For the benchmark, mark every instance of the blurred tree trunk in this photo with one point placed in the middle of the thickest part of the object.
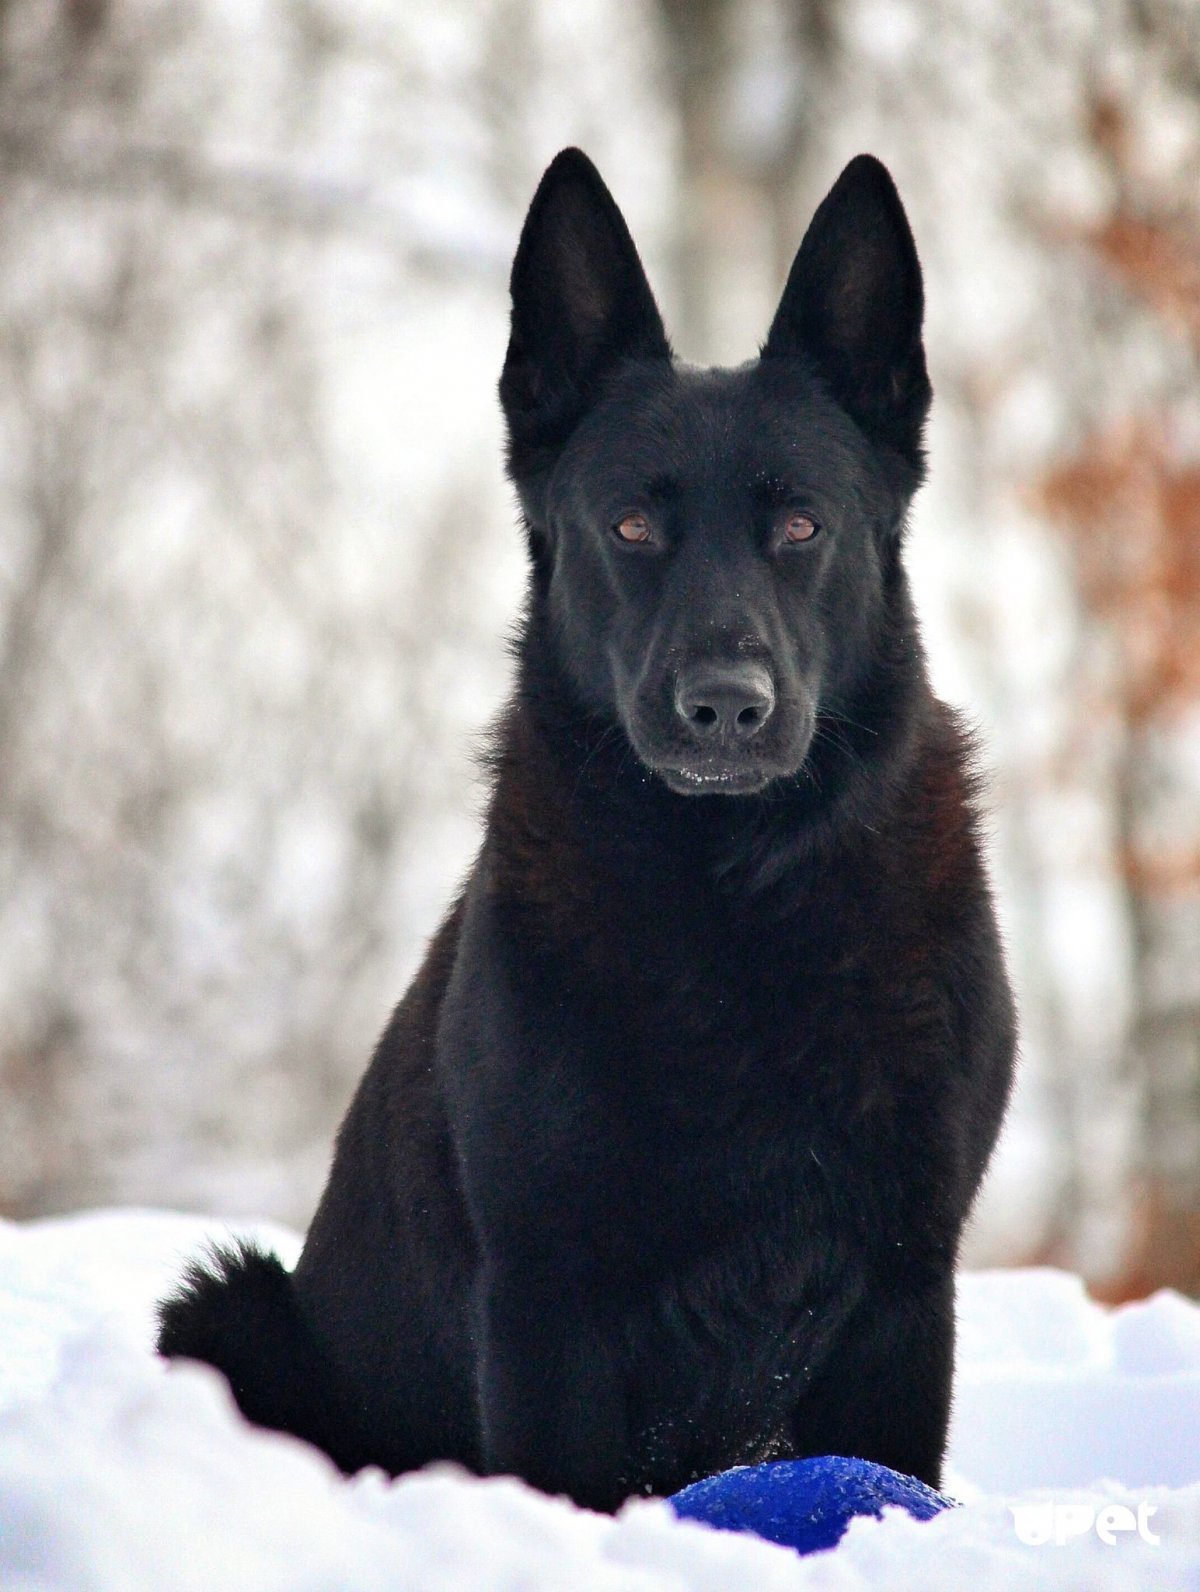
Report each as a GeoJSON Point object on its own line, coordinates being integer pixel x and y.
{"type": "Point", "coordinates": [1129, 499]}
{"type": "Point", "coordinates": [213, 759]}
{"type": "Point", "coordinates": [738, 75]}
{"type": "Point", "coordinates": [1131, 508]}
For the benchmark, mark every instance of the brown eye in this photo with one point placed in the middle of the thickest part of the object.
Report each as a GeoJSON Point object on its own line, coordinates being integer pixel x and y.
{"type": "Point", "coordinates": [633, 528]}
{"type": "Point", "coordinates": [799, 527]}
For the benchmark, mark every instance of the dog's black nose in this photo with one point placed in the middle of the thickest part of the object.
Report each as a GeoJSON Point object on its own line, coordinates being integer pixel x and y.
{"type": "Point", "coordinates": [725, 701]}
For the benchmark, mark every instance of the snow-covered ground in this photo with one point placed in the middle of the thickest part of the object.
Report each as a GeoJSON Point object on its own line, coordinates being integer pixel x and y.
{"type": "Point", "coordinates": [116, 1473]}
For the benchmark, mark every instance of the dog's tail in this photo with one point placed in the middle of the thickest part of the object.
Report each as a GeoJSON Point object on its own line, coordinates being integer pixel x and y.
{"type": "Point", "coordinates": [236, 1309]}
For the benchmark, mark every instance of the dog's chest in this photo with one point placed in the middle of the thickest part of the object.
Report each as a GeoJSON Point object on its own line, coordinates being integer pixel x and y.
{"type": "Point", "coordinates": [713, 1064]}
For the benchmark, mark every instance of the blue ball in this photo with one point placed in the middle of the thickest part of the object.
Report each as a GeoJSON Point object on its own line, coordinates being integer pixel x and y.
{"type": "Point", "coordinates": [804, 1504]}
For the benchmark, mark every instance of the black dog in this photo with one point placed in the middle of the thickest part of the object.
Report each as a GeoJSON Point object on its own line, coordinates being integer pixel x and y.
{"type": "Point", "coordinates": [662, 1163]}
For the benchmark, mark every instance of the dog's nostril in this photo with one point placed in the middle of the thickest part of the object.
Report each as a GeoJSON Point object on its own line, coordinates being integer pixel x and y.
{"type": "Point", "coordinates": [749, 716]}
{"type": "Point", "coordinates": [705, 715]}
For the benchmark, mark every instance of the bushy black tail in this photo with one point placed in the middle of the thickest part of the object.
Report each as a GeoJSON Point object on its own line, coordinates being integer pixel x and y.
{"type": "Point", "coordinates": [236, 1310]}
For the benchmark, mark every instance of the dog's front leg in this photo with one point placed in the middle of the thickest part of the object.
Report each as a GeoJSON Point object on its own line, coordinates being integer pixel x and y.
{"type": "Point", "coordinates": [548, 1359]}
{"type": "Point", "coordinates": [552, 1399]}
{"type": "Point", "coordinates": [883, 1393]}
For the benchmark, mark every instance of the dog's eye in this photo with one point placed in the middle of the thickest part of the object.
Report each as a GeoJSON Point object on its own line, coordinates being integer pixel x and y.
{"type": "Point", "coordinates": [799, 527]}
{"type": "Point", "coordinates": [633, 528]}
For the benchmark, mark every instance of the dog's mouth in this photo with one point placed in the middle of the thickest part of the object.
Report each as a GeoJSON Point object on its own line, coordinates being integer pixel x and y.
{"type": "Point", "coordinates": [696, 771]}
{"type": "Point", "coordinates": [714, 780]}
{"type": "Point", "coordinates": [690, 772]}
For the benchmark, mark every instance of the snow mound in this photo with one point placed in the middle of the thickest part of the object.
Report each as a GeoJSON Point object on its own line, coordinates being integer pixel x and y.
{"type": "Point", "coordinates": [117, 1472]}
{"type": "Point", "coordinates": [1055, 1391]}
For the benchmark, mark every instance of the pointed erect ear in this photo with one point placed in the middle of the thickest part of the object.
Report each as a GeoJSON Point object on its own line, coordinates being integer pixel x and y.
{"type": "Point", "coordinates": [853, 305]}
{"type": "Point", "coordinates": [580, 303]}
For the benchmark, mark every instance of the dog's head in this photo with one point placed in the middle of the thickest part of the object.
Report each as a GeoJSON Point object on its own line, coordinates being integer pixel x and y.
{"type": "Point", "coordinates": [715, 548]}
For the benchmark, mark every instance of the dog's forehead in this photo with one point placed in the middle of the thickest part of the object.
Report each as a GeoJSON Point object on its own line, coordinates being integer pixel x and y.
{"type": "Point", "coordinates": [700, 426]}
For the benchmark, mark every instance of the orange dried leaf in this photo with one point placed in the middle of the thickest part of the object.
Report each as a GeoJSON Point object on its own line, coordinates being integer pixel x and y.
{"type": "Point", "coordinates": [1159, 261]}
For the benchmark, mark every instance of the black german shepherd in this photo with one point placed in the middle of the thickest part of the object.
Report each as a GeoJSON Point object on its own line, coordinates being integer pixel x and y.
{"type": "Point", "coordinates": [662, 1162]}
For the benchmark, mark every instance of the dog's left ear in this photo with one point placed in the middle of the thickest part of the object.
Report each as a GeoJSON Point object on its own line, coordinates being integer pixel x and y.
{"type": "Point", "coordinates": [854, 303]}
{"type": "Point", "coordinates": [580, 304]}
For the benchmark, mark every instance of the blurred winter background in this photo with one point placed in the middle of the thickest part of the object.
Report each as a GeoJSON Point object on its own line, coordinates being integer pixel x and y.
{"type": "Point", "coordinates": [257, 558]}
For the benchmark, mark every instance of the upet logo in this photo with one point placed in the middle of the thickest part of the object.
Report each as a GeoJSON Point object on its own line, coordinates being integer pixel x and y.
{"type": "Point", "coordinates": [1037, 1524]}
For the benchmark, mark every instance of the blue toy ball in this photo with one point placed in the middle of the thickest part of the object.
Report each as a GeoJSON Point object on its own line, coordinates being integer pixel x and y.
{"type": "Point", "coordinates": [804, 1504]}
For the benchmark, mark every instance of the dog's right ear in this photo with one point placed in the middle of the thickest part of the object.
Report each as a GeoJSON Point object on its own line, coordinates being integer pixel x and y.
{"type": "Point", "coordinates": [580, 303]}
{"type": "Point", "coordinates": [853, 304]}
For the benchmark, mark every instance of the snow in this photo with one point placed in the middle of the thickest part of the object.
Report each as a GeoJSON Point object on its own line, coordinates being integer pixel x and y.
{"type": "Point", "coordinates": [118, 1472]}
{"type": "Point", "coordinates": [1065, 1392]}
